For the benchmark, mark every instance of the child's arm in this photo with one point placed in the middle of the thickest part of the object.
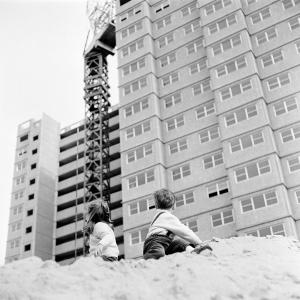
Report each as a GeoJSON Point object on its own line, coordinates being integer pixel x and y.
{"type": "Point", "coordinates": [172, 223]}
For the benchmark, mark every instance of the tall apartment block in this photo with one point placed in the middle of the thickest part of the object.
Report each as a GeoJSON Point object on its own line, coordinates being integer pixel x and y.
{"type": "Point", "coordinates": [210, 108]}
{"type": "Point", "coordinates": [30, 230]}
{"type": "Point", "coordinates": [70, 192]}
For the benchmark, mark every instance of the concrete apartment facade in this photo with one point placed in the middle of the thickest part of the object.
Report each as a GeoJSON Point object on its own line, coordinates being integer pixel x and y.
{"type": "Point", "coordinates": [68, 241]}
{"type": "Point", "coordinates": [30, 229]}
{"type": "Point", "coordinates": [210, 108]}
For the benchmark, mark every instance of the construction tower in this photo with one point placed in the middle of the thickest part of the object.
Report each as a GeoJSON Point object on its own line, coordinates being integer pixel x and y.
{"type": "Point", "coordinates": [96, 180]}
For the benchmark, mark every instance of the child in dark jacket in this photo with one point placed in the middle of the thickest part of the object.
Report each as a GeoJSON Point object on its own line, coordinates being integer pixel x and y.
{"type": "Point", "coordinates": [167, 235]}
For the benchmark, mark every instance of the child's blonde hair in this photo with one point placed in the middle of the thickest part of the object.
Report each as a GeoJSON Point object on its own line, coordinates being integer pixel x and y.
{"type": "Point", "coordinates": [164, 199]}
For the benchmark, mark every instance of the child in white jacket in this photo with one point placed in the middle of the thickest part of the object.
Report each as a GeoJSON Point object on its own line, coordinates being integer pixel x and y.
{"type": "Point", "coordinates": [167, 235]}
{"type": "Point", "coordinates": [102, 241]}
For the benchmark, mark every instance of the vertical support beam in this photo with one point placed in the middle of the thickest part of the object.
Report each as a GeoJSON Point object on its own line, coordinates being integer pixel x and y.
{"type": "Point", "coordinates": [96, 173]}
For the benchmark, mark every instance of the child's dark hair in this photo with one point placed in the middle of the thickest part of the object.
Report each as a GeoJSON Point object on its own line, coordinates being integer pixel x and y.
{"type": "Point", "coordinates": [99, 212]}
{"type": "Point", "coordinates": [164, 199]}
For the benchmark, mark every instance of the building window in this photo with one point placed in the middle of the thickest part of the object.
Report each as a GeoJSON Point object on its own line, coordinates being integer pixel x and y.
{"type": "Point", "coordinates": [168, 59]}
{"type": "Point", "coordinates": [279, 81]}
{"type": "Point", "coordinates": [15, 226]}
{"type": "Point", "coordinates": [294, 164]}
{"type": "Point", "coordinates": [246, 141]}
{"type": "Point", "coordinates": [139, 153]}
{"type": "Point", "coordinates": [20, 166]}
{"type": "Point", "coordinates": [285, 106]}
{"type": "Point", "coordinates": [201, 87]}
{"type": "Point", "coordinates": [298, 196]}
{"type": "Point", "coordinates": [18, 195]}
{"type": "Point", "coordinates": [17, 210]}
{"type": "Point", "coordinates": [294, 23]}
{"type": "Point", "coordinates": [192, 27]}
{"type": "Point", "coordinates": [138, 237]}
{"type": "Point", "coordinates": [27, 247]}
{"type": "Point", "coordinates": [198, 66]}
{"type": "Point", "coordinates": [141, 179]}
{"type": "Point", "coordinates": [32, 181]}
{"type": "Point", "coordinates": [222, 24]}
{"type": "Point", "coordinates": [135, 86]}
{"type": "Point", "coordinates": [20, 180]}
{"type": "Point", "coordinates": [260, 16]}
{"type": "Point", "coordinates": [163, 22]}
{"type": "Point", "coordinates": [259, 201]}
{"type": "Point", "coordinates": [236, 89]}
{"type": "Point", "coordinates": [222, 218]}
{"type": "Point", "coordinates": [272, 230]}
{"type": "Point", "coordinates": [28, 229]}
{"type": "Point", "coordinates": [141, 206]}
{"type": "Point", "coordinates": [161, 7]}
{"type": "Point", "coordinates": [209, 134]}
{"type": "Point", "coordinates": [175, 123]}
{"type": "Point", "coordinates": [170, 79]}
{"type": "Point", "coordinates": [213, 160]}
{"type": "Point", "coordinates": [205, 110]}
{"type": "Point", "coordinates": [36, 137]}
{"type": "Point", "coordinates": [188, 10]}
{"type": "Point", "coordinates": [192, 224]}
{"type": "Point", "coordinates": [266, 36]}
{"type": "Point", "coordinates": [227, 44]}
{"type": "Point", "coordinates": [33, 166]}
{"type": "Point", "coordinates": [180, 172]}
{"type": "Point", "coordinates": [252, 170]}
{"type": "Point", "coordinates": [139, 44]}
{"type": "Point", "coordinates": [138, 130]}
{"type": "Point", "coordinates": [194, 46]}
{"type": "Point", "coordinates": [165, 40]}
{"type": "Point", "coordinates": [232, 66]}
{"type": "Point", "coordinates": [34, 151]}
{"type": "Point", "coordinates": [15, 243]}
{"type": "Point", "coordinates": [172, 100]}
{"type": "Point", "coordinates": [272, 58]}
{"type": "Point", "coordinates": [31, 196]}
{"type": "Point", "coordinates": [184, 198]}
{"type": "Point", "coordinates": [290, 134]}
{"type": "Point", "coordinates": [29, 212]}
{"type": "Point", "coordinates": [241, 115]}
{"type": "Point", "coordinates": [131, 29]}
{"type": "Point", "coordinates": [134, 67]}
{"type": "Point", "coordinates": [130, 13]}
{"type": "Point", "coordinates": [21, 152]}
{"type": "Point", "coordinates": [24, 138]}
{"type": "Point", "coordinates": [289, 3]}
{"type": "Point", "coordinates": [136, 107]}
{"type": "Point", "coordinates": [215, 6]}
{"type": "Point", "coordinates": [178, 146]}
{"type": "Point", "coordinates": [217, 188]}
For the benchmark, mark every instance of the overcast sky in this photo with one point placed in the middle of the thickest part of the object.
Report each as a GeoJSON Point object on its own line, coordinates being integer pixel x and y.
{"type": "Point", "coordinates": [41, 70]}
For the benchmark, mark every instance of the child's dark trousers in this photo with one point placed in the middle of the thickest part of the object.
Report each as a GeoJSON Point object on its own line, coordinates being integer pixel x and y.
{"type": "Point", "coordinates": [157, 246]}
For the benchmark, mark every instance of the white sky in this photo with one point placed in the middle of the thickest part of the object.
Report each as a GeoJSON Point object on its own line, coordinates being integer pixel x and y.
{"type": "Point", "coordinates": [41, 70]}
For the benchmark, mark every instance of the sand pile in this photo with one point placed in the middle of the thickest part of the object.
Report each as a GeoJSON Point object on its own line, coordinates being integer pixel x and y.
{"type": "Point", "coordinates": [241, 268]}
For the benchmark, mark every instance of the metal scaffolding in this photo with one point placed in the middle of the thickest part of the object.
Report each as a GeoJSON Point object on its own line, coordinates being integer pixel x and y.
{"type": "Point", "coordinates": [96, 172]}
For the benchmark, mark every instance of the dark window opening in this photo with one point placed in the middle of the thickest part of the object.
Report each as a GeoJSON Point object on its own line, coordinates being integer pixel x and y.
{"type": "Point", "coordinates": [29, 229]}
{"type": "Point", "coordinates": [29, 212]}
{"type": "Point", "coordinates": [36, 137]}
{"type": "Point", "coordinates": [122, 2]}
{"type": "Point", "coordinates": [33, 166]}
{"type": "Point", "coordinates": [31, 196]}
{"type": "Point", "coordinates": [34, 151]}
{"type": "Point", "coordinates": [32, 181]}
{"type": "Point", "coordinates": [27, 247]}
{"type": "Point", "coordinates": [224, 191]}
{"type": "Point", "coordinates": [24, 138]}
{"type": "Point", "coordinates": [213, 194]}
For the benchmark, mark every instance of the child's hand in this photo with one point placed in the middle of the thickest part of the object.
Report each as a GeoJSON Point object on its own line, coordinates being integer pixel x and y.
{"type": "Point", "coordinates": [199, 248]}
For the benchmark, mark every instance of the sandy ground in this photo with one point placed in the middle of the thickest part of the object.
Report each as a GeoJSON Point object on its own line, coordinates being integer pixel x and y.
{"type": "Point", "coordinates": [239, 268]}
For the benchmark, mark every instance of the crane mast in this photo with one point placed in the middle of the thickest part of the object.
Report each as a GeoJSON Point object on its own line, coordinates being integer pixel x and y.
{"type": "Point", "coordinates": [100, 43]}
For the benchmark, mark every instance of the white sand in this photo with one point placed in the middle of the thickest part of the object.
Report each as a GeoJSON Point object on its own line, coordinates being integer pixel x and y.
{"type": "Point", "coordinates": [241, 268]}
